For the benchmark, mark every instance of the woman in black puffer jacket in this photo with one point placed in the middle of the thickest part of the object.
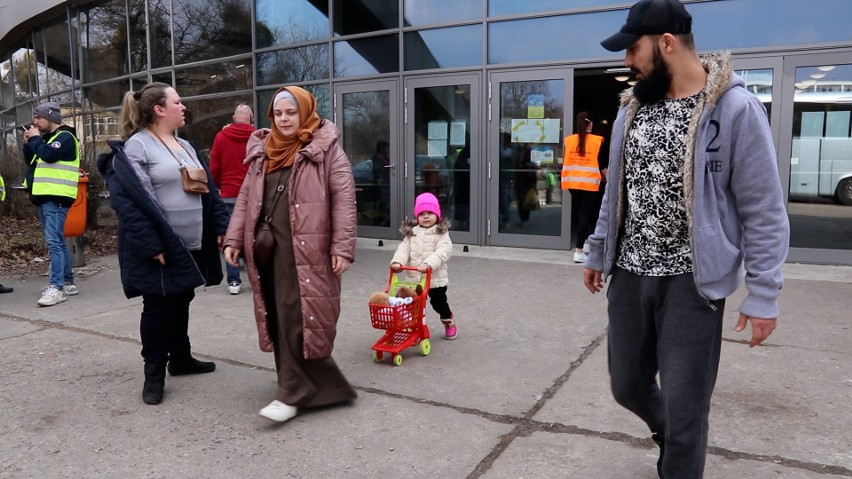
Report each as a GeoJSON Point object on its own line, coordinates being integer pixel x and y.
{"type": "Point", "coordinates": [168, 239]}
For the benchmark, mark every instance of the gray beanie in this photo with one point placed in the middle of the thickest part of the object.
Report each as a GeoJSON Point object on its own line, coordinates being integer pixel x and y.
{"type": "Point", "coordinates": [49, 110]}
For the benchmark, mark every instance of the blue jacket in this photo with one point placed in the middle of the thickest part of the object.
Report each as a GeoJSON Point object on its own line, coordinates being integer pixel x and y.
{"type": "Point", "coordinates": [734, 199]}
{"type": "Point", "coordinates": [143, 233]}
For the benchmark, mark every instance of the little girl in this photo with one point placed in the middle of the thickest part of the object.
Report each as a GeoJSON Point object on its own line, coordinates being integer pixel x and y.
{"type": "Point", "coordinates": [427, 244]}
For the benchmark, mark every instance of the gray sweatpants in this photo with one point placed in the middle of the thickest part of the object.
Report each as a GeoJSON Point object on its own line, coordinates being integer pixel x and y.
{"type": "Point", "coordinates": [661, 324]}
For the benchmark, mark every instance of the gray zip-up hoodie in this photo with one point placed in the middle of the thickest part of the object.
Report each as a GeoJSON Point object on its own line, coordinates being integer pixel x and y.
{"type": "Point", "coordinates": [734, 199]}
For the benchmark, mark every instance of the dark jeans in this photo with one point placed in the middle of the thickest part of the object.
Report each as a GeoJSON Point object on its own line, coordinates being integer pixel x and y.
{"type": "Point", "coordinates": [164, 324]}
{"type": "Point", "coordinates": [661, 324]}
{"type": "Point", "coordinates": [52, 216]}
{"type": "Point", "coordinates": [438, 300]}
{"type": "Point", "coordinates": [520, 195]}
{"type": "Point", "coordinates": [232, 272]}
{"type": "Point", "coordinates": [505, 201]}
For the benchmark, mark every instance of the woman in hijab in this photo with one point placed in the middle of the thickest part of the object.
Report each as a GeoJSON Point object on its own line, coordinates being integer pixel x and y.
{"type": "Point", "coordinates": [299, 187]}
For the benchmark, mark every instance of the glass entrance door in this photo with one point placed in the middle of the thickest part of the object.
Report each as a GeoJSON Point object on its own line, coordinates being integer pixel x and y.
{"type": "Point", "coordinates": [527, 123]}
{"type": "Point", "coordinates": [367, 115]}
{"type": "Point", "coordinates": [442, 153]}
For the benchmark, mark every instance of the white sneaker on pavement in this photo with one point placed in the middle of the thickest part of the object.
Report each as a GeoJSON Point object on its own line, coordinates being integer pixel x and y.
{"type": "Point", "coordinates": [278, 411]}
{"type": "Point", "coordinates": [580, 257]}
{"type": "Point", "coordinates": [234, 287]}
{"type": "Point", "coordinates": [70, 290]}
{"type": "Point", "coordinates": [51, 295]}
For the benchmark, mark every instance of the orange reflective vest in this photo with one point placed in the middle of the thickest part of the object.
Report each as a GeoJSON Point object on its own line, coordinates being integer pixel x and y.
{"type": "Point", "coordinates": [581, 172]}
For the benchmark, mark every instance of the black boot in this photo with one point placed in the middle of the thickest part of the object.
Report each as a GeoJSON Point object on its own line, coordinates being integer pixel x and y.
{"type": "Point", "coordinates": [186, 364]}
{"type": "Point", "coordinates": [155, 381]}
{"type": "Point", "coordinates": [661, 441]}
{"type": "Point", "coordinates": [5, 289]}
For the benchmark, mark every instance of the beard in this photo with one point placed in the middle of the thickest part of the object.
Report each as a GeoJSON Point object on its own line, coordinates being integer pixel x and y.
{"type": "Point", "coordinates": [655, 86]}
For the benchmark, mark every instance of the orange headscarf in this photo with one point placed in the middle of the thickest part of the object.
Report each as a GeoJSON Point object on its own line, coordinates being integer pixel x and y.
{"type": "Point", "coordinates": [281, 149]}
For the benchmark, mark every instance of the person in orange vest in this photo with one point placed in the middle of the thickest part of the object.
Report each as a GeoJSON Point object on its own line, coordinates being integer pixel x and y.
{"type": "Point", "coordinates": [582, 176]}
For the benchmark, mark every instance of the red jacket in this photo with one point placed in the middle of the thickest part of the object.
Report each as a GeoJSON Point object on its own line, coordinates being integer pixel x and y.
{"type": "Point", "coordinates": [226, 158]}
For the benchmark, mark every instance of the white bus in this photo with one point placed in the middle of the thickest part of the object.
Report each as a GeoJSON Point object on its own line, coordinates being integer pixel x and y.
{"type": "Point", "coordinates": [821, 163]}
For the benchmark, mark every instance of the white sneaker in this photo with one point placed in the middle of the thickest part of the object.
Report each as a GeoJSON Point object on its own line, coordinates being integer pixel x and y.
{"type": "Point", "coordinates": [278, 411]}
{"type": "Point", "coordinates": [51, 295]}
{"type": "Point", "coordinates": [580, 257]}
{"type": "Point", "coordinates": [70, 290]}
{"type": "Point", "coordinates": [234, 287]}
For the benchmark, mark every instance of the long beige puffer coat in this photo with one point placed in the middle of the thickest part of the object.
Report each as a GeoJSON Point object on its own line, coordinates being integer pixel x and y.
{"type": "Point", "coordinates": [323, 221]}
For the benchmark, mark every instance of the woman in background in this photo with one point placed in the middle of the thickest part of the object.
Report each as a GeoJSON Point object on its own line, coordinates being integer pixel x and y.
{"type": "Point", "coordinates": [582, 176]}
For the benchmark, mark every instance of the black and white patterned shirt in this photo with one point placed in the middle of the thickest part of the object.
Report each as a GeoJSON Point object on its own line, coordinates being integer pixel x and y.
{"type": "Point", "coordinates": [655, 237]}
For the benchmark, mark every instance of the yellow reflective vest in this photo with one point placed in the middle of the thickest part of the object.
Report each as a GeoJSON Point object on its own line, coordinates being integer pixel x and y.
{"type": "Point", "coordinates": [60, 178]}
{"type": "Point", "coordinates": [581, 172]}
{"type": "Point", "coordinates": [2, 189]}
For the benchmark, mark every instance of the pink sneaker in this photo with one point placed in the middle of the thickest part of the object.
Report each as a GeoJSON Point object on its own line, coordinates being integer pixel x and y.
{"type": "Point", "coordinates": [449, 328]}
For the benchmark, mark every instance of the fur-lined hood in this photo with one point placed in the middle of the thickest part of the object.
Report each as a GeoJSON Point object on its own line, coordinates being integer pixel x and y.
{"type": "Point", "coordinates": [720, 78]}
{"type": "Point", "coordinates": [407, 228]}
{"type": "Point", "coordinates": [733, 219]}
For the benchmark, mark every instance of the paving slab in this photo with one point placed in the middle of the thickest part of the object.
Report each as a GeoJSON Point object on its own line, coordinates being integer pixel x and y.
{"type": "Point", "coordinates": [568, 455]}
{"type": "Point", "coordinates": [72, 409]}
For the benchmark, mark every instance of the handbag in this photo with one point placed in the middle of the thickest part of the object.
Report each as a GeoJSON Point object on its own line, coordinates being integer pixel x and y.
{"type": "Point", "coordinates": [531, 202]}
{"type": "Point", "coordinates": [194, 178]}
{"type": "Point", "coordinates": [264, 241]}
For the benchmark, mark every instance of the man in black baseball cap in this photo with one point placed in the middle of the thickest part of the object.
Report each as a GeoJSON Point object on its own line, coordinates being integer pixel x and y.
{"type": "Point", "coordinates": [687, 143]}
{"type": "Point", "coordinates": [650, 17]}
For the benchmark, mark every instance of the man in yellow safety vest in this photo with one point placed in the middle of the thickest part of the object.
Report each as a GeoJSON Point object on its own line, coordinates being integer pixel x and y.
{"type": "Point", "coordinates": [53, 153]}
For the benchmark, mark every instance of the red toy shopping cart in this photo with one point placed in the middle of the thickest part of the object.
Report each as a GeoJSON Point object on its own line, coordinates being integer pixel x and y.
{"type": "Point", "coordinates": [403, 324]}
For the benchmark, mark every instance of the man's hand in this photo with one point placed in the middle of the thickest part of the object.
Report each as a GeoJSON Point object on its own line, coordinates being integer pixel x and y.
{"type": "Point", "coordinates": [760, 328]}
{"type": "Point", "coordinates": [592, 280]}
{"type": "Point", "coordinates": [31, 132]}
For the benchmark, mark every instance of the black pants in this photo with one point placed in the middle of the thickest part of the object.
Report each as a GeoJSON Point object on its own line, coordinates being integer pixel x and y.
{"type": "Point", "coordinates": [585, 205]}
{"type": "Point", "coordinates": [438, 300]}
{"type": "Point", "coordinates": [661, 324]}
{"type": "Point", "coordinates": [164, 324]}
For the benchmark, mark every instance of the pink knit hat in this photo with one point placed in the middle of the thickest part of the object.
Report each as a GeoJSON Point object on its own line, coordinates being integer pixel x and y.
{"type": "Point", "coordinates": [426, 202]}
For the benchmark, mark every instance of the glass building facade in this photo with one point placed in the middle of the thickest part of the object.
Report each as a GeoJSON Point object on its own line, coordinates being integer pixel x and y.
{"type": "Point", "coordinates": [444, 96]}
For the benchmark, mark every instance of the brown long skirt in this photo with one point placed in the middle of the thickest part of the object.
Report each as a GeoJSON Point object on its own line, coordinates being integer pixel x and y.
{"type": "Point", "coordinates": [301, 383]}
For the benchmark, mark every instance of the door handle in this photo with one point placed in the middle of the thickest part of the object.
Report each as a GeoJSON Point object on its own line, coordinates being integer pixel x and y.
{"type": "Point", "coordinates": [390, 165]}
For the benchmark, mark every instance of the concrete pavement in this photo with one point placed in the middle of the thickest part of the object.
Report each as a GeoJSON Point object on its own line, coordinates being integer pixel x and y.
{"type": "Point", "coordinates": [522, 393]}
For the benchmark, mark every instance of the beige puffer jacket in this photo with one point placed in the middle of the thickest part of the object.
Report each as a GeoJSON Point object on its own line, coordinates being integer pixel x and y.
{"type": "Point", "coordinates": [429, 246]}
{"type": "Point", "coordinates": [322, 216]}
